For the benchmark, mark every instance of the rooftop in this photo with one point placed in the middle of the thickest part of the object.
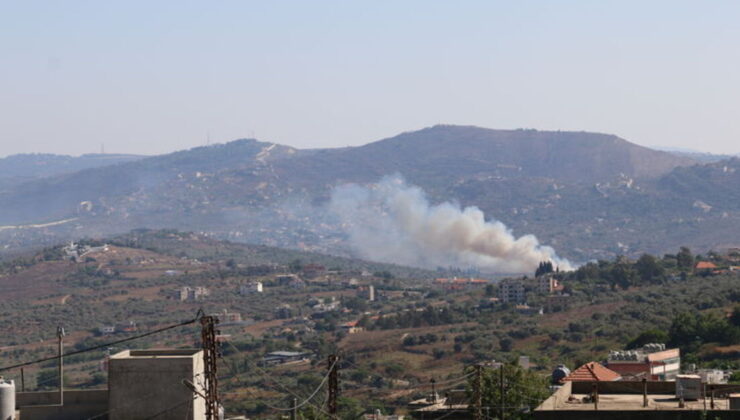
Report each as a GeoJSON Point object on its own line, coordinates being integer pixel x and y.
{"type": "Point", "coordinates": [705, 265]}
{"type": "Point", "coordinates": [287, 353]}
{"type": "Point", "coordinates": [633, 402]}
{"type": "Point", "coordinates": [618, 396]}
{"type": "Point", "coordinates": [156, 354]}
{"type": "Point", "coordinates": [592, 371]}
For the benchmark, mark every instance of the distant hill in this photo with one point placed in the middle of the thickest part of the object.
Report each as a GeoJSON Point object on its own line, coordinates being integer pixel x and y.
{"type": "Point", "coordinates": [696, 155]}
{"type": "Point", "coordinates": [589, 195]}
{"type": "Point", "coordinates": [24, 167]}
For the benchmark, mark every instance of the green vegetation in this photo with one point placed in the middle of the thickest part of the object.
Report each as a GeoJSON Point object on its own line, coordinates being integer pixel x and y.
{"type": "Point", "coordinates": [519, 393]}
{"type": "Point", "coordinates": [414, 331]}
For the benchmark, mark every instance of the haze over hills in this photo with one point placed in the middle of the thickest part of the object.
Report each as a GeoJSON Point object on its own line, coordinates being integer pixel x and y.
{"type": "Point", "coordinates": [15, 169]}
{"type": "Point", "coordinates": [589, 195]}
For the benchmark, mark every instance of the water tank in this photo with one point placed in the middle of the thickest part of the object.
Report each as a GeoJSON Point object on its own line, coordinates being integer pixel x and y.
{"type": "Point", "coordinates": [688, 387]}
{"type": "Point", "coordinates": [7, 400]}
{"type": "Point", "coordinates": [559, 373]}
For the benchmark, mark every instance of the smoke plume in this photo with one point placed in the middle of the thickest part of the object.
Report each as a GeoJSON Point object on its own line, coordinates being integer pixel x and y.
{"type": "Point", "coordinates": [394, 222]}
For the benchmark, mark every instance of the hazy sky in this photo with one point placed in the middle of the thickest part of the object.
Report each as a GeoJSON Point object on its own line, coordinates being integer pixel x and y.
{"type": "Point", "coordinates": [156, 76]}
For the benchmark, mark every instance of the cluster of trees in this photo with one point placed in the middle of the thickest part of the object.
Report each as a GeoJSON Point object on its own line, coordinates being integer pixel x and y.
{"type": "Point", "coordinates": [417, 340]}
{"type": "Point", "coordinates": [690, 330]}
{"type": "Point", "coordinates": [623, 273]}
{"type": "Point", "coordinates": [523, 390]}
{"type": "Point", "coordinates": [545, 267]}
{"type": "Point", "coordinates": [428, 317]}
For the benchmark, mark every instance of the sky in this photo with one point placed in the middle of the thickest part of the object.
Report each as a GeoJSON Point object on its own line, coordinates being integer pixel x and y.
{"type": "Point", "coordinates": [152, 77]}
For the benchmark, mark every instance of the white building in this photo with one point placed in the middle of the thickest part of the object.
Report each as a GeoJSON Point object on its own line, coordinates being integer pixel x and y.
{"type": "Point", "coordinates": [250, 288]}
{"type": "Point", "coordinates": [187, 293]}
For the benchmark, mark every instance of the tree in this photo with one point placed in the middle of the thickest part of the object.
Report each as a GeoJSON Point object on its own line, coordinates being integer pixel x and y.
{"type": "Point", "coordinates": [545, 267]}
{"type": "Point", "coordinates": [649, 269]}
{"type": "Point", "coordinates": [506, 344]}
{"type": "Point", "coordinates": [523, 390]}
{"type": "Point", "coordinates": [735, 317]}
{"type": "Point", "coordinates": [648, 336]}
{"type": "Point", "coordinates": [621, 274]}
{"type": "Point", "coordinates": [684, 259]}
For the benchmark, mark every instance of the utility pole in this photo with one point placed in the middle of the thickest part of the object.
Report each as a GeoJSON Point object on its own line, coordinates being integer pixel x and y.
{"type": "Point", "coordinates": [644, 392]}
{"type": "Point", "coordinates": [60, 352]}
{"type": "Point", "coordinates": [434, 391]}
{"type": "Point", "coordinates": [502, 391]}
{"type": "Point", "coordinates": [294, 411]}
{"type": "Point", "coordinates": [210, 354]}
{"type": "Point", "coordinates": [478, 392]}
{"type": "Point", "coordinates": [333, 385]}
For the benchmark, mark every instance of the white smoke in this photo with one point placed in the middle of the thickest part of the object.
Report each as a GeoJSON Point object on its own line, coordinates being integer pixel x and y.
{"type": "Point", "coordinates": [394, 222]}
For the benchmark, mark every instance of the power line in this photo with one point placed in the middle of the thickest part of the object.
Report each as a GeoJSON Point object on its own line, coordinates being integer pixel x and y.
{"type": "Point", "coordinates": [266, 376]}
{"type": "Point", "coordinates": [100, 346]}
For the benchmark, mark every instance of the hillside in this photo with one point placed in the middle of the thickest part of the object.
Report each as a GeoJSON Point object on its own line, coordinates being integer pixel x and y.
{"type": "Point", "coordinates": [413, 330]}
{"type": "Point", "coordinates": [16, 169]}
{"type": "Point", "coordinates": [589, 195]}
{"type": "Point", "coordinates": [459, 151]}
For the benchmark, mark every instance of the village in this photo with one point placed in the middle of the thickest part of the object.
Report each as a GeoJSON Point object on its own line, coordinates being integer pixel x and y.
{"type": "Point", "coordinates": [404, 341]}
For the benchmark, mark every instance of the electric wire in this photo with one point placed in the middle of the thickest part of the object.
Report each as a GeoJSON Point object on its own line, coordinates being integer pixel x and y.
{"type": "Point", "coordinates": [304, 402]}
{"type": "Point", "coordinates": [100, 346]}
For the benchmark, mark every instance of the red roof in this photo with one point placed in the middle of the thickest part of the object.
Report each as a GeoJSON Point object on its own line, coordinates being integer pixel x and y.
{"type": "Point", "coordinates": [705, 265]}
{"type": "Point", "coordinates": [592, 372]}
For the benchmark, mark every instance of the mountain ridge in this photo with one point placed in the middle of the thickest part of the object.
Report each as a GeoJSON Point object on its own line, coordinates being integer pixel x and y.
{"type": "Point", "coordinates": [596, 195]}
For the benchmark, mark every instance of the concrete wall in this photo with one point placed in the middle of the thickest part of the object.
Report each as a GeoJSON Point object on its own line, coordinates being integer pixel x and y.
{"type": "Point", "coordinates": [77, 405]}
{"type": "Point", "coordinates": [653, 387]}
{"type": "Point", "coordinates": [625, 387]}
{"type": "Point", "coordinates": [145, 384]}
{"type": "Point", "coordinates": [636, 415]}
{"type": "Point", "coordinates": [561, 394]}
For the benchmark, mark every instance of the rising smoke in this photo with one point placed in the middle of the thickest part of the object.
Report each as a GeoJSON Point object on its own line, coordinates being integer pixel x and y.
{"type": "Point", "coordinates": [394, 222]}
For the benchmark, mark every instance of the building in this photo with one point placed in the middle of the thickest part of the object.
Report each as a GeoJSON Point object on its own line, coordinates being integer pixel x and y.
{"type": "Point", "coordinates": [149, 383]}
{"type": "Point", "coordinates": [311, 271]}
{"type": "Point", "coordinates": [351, 327]}
{"type": "Point", "coordinates": [250, 288]}
{"type": "Point", "coordinates": [327, 305]}
{"type": "Point", "coordinates": [707, 268]}
{"type": "Point", "coordinates": [592, 372]}
{"type": "Point", "coordinates": [713, 376]}
{"type": "Point", "coordinates": [284, 357]}
{"type": "Point", "coordinates": [225, 317]}
{"type": "Point", "coordinates": [653, 362]}
{"type": "Point", "coordinates": [511, 291]}
{"type": "Point", "coordinates": [529, 310]}
{"type": "Point", "coordinates": [285, 279]}
{"type": "Point", "coordinates": [627, 400]}
{"type": "Point", "coordinates": [77, 253]}
{"type": "Point", "coordinates": [454, 405]}
{"type": "Point", "coordinates": [128, 327]}
{"type": "Point", "coordinates": [187, 293]}
{"type": "Point", "coordinates": [367, 292]}
{"type": "Point", "coordinates": [456, 283]}
{"type": "Point", "coordinates": [283, 311]}
{"type": "Point", "coordinates": [107, 329]}
{"type": "Point", "coordinates": [297, 284]}
{"type": "Point", "coordinates": [705, 265]}
{"type": "Point", "coordinates": [378, 416]}
{"type": "Point", "coordinates": [548, 284]}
